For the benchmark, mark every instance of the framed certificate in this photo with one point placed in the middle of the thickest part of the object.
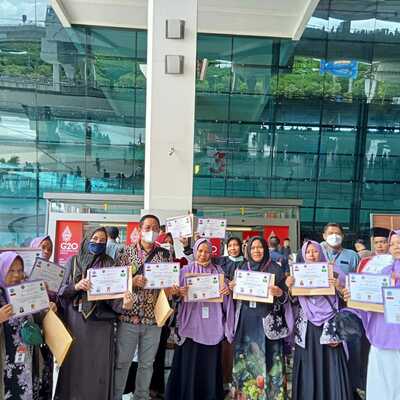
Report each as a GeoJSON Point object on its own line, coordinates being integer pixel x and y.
{"type": "Point", "coordinates": [391, 303]}
{"type": "Point", "coordinates": [312, 279]}
{"type": "Point", "coordinates": [161, 275]}
{"type": "Point", "coordinates": [180, 226]}
{"type": "Point", "coordinates": [204, 287]}
{"type": "Point", "coordinates": [211, 228]}
{"type": "Point", "coordinates": [253, 286]}
{"type": "Point", "coordinates": [109, 283]}
{"type": "Point", "coordinates": [28, 255]}
{"type": "Point", "coordinates": [366, 291]}
{"type": "Point", "coordinates": [27, 298]}
{"type": "Point", "coordinates": [51, 273]}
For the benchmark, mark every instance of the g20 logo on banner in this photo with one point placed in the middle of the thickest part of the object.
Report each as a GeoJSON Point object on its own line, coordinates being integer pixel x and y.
{"type": "Point", "coordinates": [69, 235]}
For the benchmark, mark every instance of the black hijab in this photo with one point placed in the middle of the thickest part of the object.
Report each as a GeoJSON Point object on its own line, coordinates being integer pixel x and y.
{"type": "Point", "coordinates": [263, 264]}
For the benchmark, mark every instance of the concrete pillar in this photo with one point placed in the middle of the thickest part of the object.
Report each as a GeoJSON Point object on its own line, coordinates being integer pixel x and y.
{"type": "Point", "coordinates": [170, 106]}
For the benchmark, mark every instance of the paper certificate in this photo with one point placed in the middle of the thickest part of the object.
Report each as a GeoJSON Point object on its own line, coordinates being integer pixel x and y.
{"type": "Point", "coordinates": [203, 287]}
{"type": "Point", "coordinates": [28, 256]}
{"type": "Point", "coordinates": [49, 272]}
{"type": "Point", "coordinates": [366, 291]}
{"type": "Point", "coordinates": [252, 284]}
{"type": "Point", "coordinates": [27, 298]}
{"type": "Point", "coordinates": [391, 301]}
{"type": "Point", "coordinates": [108, 283]}
{"type": "Point", "coordinates": [211, 228]}
{"type": "Point", "coordinates": [311, 279]}
{"type": "Point", "coordinates": [162, 275]}
{"type": "Point", "coordinates": [180, 226]}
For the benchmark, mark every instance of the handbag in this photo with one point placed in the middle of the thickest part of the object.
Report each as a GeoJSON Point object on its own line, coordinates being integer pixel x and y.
{"type": "Point", "coordinates": [274, 324]}
{"type": "Point", "coordinates": [348, 326]}
{"type": "Point", "coordinates": [103, 312]}
{"type": "Point", "coordinates": [31, 334]}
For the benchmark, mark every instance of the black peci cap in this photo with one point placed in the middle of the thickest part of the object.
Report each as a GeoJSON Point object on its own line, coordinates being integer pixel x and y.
{"type": "Point", "coordinates": [380, 232]}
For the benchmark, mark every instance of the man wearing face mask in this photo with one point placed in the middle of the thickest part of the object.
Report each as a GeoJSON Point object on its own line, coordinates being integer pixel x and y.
{"type": "Point", "coordinates": [345, 259]}
{"type": "Point", "coordinates": [137, 327]}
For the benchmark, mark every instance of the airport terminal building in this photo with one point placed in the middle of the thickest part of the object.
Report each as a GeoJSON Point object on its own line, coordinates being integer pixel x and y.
{"type": "Point", "coordinates": [285, 113]}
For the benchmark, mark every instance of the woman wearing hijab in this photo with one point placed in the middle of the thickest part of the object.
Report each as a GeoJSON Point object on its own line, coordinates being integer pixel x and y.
{"type": "Point", "coordinates": [196, 372]}
{"type": "Point", "coordinates": [320, 367]}
{"type": "Point", "coordinates": [87, 372]}
{"type": "Point", "coordinates": [384, 357]}
{"type": "Point", "coordinates": [259, 367]}
{"type": "Point", "coordinates": [20, 375]}
{"type": "Point", "coordinates": [46, 382]}
{"type": "Point", "coordinates": [45, 244]}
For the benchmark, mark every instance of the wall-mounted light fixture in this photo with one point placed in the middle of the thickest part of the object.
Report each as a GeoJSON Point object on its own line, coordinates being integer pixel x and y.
{"type": "Point", "coordinates": [174, 29]}
{"type": "Point", "coordinates": [174, 64]}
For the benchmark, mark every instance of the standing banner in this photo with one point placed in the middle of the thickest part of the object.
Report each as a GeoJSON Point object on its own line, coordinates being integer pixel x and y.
{"type": "Point", "coordinates": [69, 235]}
{"type": "Point", "coordinates": [282, 232]}
{"type": "Point", "coordinates": [216, 247]}
{"type": "Point", "coordinates": [132, 232]}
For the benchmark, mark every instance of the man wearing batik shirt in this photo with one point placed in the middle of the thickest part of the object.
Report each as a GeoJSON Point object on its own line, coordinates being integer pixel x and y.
{"type": "Point", "coordinates": [137, 327]}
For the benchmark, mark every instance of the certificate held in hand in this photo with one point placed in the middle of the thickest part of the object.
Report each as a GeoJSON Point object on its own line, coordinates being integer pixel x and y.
{"type": "Point", "coordinates": [27, 298]}
{"type": "Point", "coordinates": [366, 291]}
{"type": "Point", "coordinates": [109, 283]}
{"type": "Point", "coordinates": [211, 228]}
{"type": "Point", "coordinates": [204, 287]}
{"type": "Point", "coordinates": [391, 302]}
{"type": "Point", "coordinates": [180, 226]}
{"type": "Point", "coordinates": [49, 272]}
{"type": "Point", "coordinates": [312, 279]}
{"type": "Point", "coordinates": [253, 286]}
{"type": "Point", "coordinates": [161, 275]}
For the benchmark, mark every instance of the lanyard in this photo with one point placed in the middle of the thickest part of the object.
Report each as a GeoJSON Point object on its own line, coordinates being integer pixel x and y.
{"type": "Point", "coordinates": [141, 253]}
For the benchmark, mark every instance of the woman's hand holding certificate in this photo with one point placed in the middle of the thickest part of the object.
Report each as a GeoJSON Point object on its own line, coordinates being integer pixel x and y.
{"type": "Point", "coordinates": [253, 286]}
{"type": "Point", "coordinates": [365, 291]}
{"type": "Point", "coordinates": [109, 283]}
{"type": "Point", "coordinates": [27, 298]}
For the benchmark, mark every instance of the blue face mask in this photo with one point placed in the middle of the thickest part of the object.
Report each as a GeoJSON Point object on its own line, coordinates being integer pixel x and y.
{"type": "Point", "coordinates": [97, 248]}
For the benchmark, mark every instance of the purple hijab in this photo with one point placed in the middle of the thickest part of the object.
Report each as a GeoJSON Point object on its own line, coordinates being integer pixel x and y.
{"type": "Point", "coordinates": [317, 308]}
{"type": "Point", "coordinates": [6, 260]}
{"type": "Point", "coordinates": [381, 334]}
{"type": "Point", "coordinates": [220, 324]}
{"type": "Point", "coordinates": [35, 243]}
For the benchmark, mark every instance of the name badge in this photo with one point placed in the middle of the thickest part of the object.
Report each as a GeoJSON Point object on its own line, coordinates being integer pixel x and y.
{"type": "Point", "coordinates": [205, 312]}
{"type": "Point", "coordinates": [252, 304]}
{"type": "Point", "coordinates": [20, 354]}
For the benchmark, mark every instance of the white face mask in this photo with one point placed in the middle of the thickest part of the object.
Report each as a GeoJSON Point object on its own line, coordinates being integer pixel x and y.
{"type": "Point", "coordinates": [334, 240]}
{"type": "Point", "coordinates": [149, 236]}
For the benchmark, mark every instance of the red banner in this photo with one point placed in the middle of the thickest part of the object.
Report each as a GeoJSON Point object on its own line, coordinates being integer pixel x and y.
{"type": "Point", "coordinates": [68, 238]}
{"type": "Point", "coordinates": [282, 232]}
{"type": "Point", "coordinates": [132, 232]}
{"type": "Point", "coordinates": [249, 234]}
{"type": "Point", "coordinates": [216, 247]}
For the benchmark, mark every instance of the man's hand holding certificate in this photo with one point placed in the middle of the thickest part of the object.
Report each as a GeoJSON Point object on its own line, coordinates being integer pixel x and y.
{"type": "Point", "coordinates": [204, 287]}
{"type": "Point", "coordinates": [211, 228]}
{"type": "Point", "coordinates": [366, 291]}
{"type": "Point", "coordinates": [253, 286]}
{"type": "Point", "coordinates": [27, 298]}
{"type": "Point", "coordinates": [391, 301]}
{"type": "Point", "coordinates": [312, 279]}
{"type": "Point", "coordinates": [180, 226]}
{"type": "Point", "coordinates": [49, 272]}
{"type": "Point", "coordinates": [161, 275]}
{"type": "Point", "coordinates": [109, 283]}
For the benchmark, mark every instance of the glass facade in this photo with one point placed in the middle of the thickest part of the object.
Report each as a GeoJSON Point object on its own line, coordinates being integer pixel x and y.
{"type": "Point", "coordinates": [316, 119]}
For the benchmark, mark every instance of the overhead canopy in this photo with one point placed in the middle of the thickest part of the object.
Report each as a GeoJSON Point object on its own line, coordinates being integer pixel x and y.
{"type": "Point", "coordinates": [273, 18]}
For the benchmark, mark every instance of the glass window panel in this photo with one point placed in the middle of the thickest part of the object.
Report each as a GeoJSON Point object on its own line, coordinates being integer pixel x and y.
{"type": "Point", "coordinates": [306, 216]}
{"type": "Point", "coordinates": [294, 189]}
{"type": "Point", "coordinates": [112, 42]}
{"type": "Point", "coordinates": [326, 215]}
{"type": "Point", "coordinates": [304, 111]}
{"type": "Point", "coordinates": [247, 108]}
{"type": "Point", "coordinates": [251, 79]}
{"type": "Point", "coordinates": [18, 169]}
{"type": "Point", "coordinates": [331, 194]}
{"type": "Point", "coordinates": [296, 139]}
{"type": "Point", "coordinates": [141, 37]}
{"type": "Point", "coordinates": [340, 113]}
{"type": "Point", "coordinates": [338, 141]}
{"type": "Point", "coordinates": [381, 196]}
{"type": "Point", "coordinates": [18, 221]}
{"type": "Point", "coordinates": [252, 51]}
{"type": "Point", "coordinates": [294, 165]}
{"type": "Point", "coordinates": [214, 47]}
{"type": "Point", "coordinates": [212, 107]}
{"type": "Point", "coordinates": [15, 126]}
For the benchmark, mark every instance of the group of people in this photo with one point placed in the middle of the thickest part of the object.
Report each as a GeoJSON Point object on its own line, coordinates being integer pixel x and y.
{"type": "Point", "coordinates": [230, 349]}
